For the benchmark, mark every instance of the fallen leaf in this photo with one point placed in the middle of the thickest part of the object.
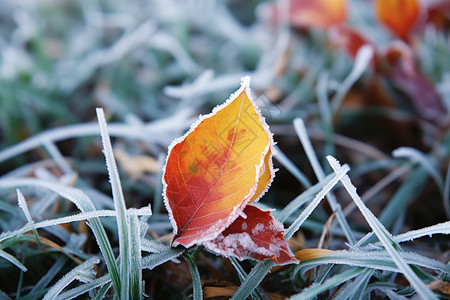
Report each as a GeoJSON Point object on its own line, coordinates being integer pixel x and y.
{"type": "Point", "coordinates": [347, 39]}
{"type": "Point", "coordinates": [135, 166]}
{"type": "Point", "coordinates": [326, 233]}
{"type": "Point", "coordinates": [310, 13]}
{"type": "Point", "coordinates": [220, 165]}
{"type": "Point", "coordinates": [398, 15]}
{"type": "Point", "coordinates": [438, 14]}
{"type": "Point", "coordinates": [317, 13]}
{"type": "Point", "coordinates": [297, 242]}
{"type": "Point", "coordinates": [212, 292]}
{"type": "Point", "coordinates": [404, 74]}
{"type": "Point", "coordinates": [312, 253]}
{"type": "Point", "coordinates": [441, 286]}
{"type": "Point", "coordinates": [213, 171]}
{"type": "Point", "coordinates": [255, 234]}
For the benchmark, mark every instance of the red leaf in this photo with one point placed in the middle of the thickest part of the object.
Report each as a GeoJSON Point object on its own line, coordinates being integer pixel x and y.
{"type": "Point", "coordinates": [311, 13]}
{"type": "Point", "coordinates": [407, 78]}
{"type": "Point", "coordinates": [255, 235]}
{"type": "Point", "coordinates": [438, 13]}
{"type": "Point", "coordinates": [347, 38]}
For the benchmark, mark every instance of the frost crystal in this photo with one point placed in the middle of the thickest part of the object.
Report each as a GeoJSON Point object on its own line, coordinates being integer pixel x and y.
{"type": "Point", "coordinates": [258, 229]}
{"type": "Point", "coordinates": [244, 226]}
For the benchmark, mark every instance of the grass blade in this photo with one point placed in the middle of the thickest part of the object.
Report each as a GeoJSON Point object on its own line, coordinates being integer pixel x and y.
{"type": "Point", "coordinates": [310, 208]}
{"type": "Point", "coordinates": [362, 60]}
{"type": "Point", "coordinates": [82, 289]}
{"type": "Point", "coordinates": [135, 257]}
{"type": "Point", "coordinates": [253, 279]}
{"type": "Point", "coordinates": [82, 272]}
{"type": "Point", "coordinates": [85, 205]}
{"type": "Point", "coordinates": [23, 205]}
{"type": "Point", "coordinates": [335, 206]}
{"type": "Point", "coordinates": [316, 289]}
{"type": "Point", "coordinates": [196, 281]}
{"type": "Point", "coordinates": [384, 236]}
{"type": "Point", "coordinates": [242, 275]}
{"type": "Point", "coordinates": [291, 167]}
{"type": "Point", "coordinates": [119, 203]}
{"type": "Point", "coordinates": [153, 260]}
{"type": "Point", "coordinates": [12, 260]}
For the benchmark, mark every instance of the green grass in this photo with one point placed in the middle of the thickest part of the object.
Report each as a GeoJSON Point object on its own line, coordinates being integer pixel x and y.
{"type": "Point", "coordinates": [75, 224]}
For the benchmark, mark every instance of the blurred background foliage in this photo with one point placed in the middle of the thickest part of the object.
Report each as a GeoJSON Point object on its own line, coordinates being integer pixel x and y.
{"type": "Point", "coordinates": [147, 60]}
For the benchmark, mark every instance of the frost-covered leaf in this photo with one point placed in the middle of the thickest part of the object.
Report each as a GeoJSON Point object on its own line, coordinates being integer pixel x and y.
{"type": "Point", "coordinates": [255, 235]}
{"type": "Point", "coordinates": [222, 164]}
{"type": "Point", "coordinates": [213, 171]}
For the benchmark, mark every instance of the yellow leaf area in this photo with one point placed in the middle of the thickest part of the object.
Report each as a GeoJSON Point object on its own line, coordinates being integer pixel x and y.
{"type": "Point", "coordinates": [266, 174]}
{"type": "Point", "coordinates": [219, 166]}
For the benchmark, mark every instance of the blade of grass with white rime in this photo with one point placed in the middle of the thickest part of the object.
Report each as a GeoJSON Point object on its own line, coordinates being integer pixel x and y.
{"type": "Point", "coordinates": [384, 236]}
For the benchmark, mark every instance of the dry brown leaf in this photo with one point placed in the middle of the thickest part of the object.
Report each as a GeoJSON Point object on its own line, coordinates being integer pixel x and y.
{"type": "Point", "coordinates": [326, 233]}
{"type": "Point", "coordinates": [135, 166]}
{"type": "Point", "coordinates": [53, 245]}
{"type": "Point", "coordinates": [210, 292]}
{"type": "Point", "coordinates": [441, 286]}
{"type": "Point", "coordinates": [312, 253]}
{"type": "Point", "coordinates": [297, 242]}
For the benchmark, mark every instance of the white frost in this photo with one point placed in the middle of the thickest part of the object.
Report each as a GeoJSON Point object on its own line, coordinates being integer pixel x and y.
{"type": "Point", "coordinates": [242, 214]}
{"type": "Point", "coordinates": [258, 229]}
{"type": "Point", "coordinates": [244, 226]}
{"type": "Point", "coordinates": [240, 245]}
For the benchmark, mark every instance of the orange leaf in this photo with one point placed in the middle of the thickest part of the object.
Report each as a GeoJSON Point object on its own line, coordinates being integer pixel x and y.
{"type": "Point", "coordinates": [222, 163]}
{"type": "Point", "coordinates": [398, 15]}
{"type": "Point", "coordinates": [312, 253]}
{"type": "Point", "coordinates": [318, 13]}
{"type": "Point", "coordinates": [255, 235]}
{"type": "Point", "coordinates": [311, 13]}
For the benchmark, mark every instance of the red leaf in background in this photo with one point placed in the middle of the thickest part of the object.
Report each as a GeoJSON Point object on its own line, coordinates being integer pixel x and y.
{"type": "Point", "coordinates": [347, 39]}
{"type": "Point", "coordinates": [396, 62]}
{"type": "Point", "coordinates": [213, 171]}
{"type": "Point", "coordinates": [257, 236]}
{"type": "Point", "coordinates": [398, 15]}
{"type": "Point", "coordinates": [405, 76]}
{"type": "Point", "coordinates": [311, 13]}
